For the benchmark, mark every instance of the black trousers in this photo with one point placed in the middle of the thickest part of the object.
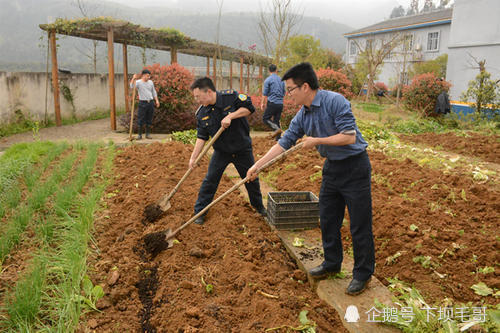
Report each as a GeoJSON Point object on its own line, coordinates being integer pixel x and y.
{"type": "Point", "coordinates": [242, 161]}
{"type": "Point", "coordinates": [145, 113]}
{"type": "Point", "coordinates": [272, 115]}
{"type": "Point", "coordinates": [347, 182]}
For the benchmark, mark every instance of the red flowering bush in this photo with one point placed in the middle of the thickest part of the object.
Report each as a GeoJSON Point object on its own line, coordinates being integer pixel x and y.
{"type": "Point", "coordinates": [255, 119]}
{"type": "Point", "coordinates": [176, 111]}
{"type": "Point", "coordinates": [330, 79]}
{"type": "Point", "coordinates": [421, 94]}
{"type": "Point", "coordinates": [381, 86]}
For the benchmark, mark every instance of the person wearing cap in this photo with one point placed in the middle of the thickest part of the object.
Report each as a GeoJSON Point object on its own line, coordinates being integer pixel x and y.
{"type": "Point", "coordinates": [147, 93]}
{"type": "Point", "coordinates": [327, 120]}
{"type": "Point", "coordinates": [272, 99]}
{"type": "Point", "coordinates": [228, 109]}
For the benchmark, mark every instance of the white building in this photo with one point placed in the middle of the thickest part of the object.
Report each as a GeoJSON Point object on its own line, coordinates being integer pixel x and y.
{"type": "Point", "coordinates": [426, 37]}
{"type": "Point", "coordinates": [468, 32]}
{"type": "Point", "coordinates": [475, 33]}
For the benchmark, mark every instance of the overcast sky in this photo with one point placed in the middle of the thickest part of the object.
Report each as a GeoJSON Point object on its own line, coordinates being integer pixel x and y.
{"type": "Point", "coordinates": [355, 13]}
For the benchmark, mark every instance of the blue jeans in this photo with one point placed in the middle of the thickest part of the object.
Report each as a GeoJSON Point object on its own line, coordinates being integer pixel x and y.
{"type": "Point", "coordinates": [347, 182]}
{"type": "Point", "coordinates": [242, 161]}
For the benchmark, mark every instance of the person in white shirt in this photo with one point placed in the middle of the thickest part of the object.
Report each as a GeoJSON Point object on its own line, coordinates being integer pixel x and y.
{"type": "Point", "coordinates": [147, 93]}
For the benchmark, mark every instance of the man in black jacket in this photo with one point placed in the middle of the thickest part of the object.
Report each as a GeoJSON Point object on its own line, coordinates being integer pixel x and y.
{"type": "Point", "coordinates": [228, 109]}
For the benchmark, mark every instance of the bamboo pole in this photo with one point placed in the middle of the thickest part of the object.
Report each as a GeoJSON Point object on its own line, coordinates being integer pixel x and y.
{"type": "Point", "coordinates": [55, 78]}
{"type": "Point", "coordinates": [125, 78]}
{"type": "Point", "coordinates": [230, 74]}
{"type": "Point", "coordinates": [111, 79]}
{"type": "Point", "coordinates": [241, 74]}
{"type": "Point", "coordinates": [173, 55]}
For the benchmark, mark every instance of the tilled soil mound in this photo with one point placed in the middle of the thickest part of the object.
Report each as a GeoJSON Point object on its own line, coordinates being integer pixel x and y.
{"type": "Point", "coordinates": [230, 275]}
{"type": "Point", "coordinates": [486, 148]}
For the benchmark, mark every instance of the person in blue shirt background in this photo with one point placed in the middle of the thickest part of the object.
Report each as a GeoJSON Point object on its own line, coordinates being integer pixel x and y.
{"type": "Point", "coordinates": [272, 99]}
{"type": "Point", "coordinates": [327, 120]}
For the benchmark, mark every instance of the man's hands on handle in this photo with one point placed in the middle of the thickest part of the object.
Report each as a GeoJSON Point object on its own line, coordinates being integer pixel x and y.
{"type": "Point", "coordinates": [241, 112]}
{"type": "Point", "coordinates": [198, 146]}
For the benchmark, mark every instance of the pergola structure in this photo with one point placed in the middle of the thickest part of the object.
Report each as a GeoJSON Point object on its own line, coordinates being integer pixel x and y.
{"type": "Point", "coordinates": [166, 39]}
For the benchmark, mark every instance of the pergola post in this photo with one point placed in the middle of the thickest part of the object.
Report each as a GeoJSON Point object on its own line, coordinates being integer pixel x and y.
{"type": "Point", "coordinates": [241, 74]}
{"type": "Point", "coordinates": [261, 77]}
{"type": "Point", "coordinates": [248, 79]}
{"type": "Point", "coordinates": [55, 77]}
{"type": "Point", "coordinates": [214, 74]}
{"type": "Point", "coordinates": [111, 79]}
{"type": "Point", "coordinates": [230, 74]}
{"type": "Point", "coordinates": [208, 66]}
{"type": "Point", "coordinates": [173, 55]}
{"type": "Point", "coordinates": [125, 77]}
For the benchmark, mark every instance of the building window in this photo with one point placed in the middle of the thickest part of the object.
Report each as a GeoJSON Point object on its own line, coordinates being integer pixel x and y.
{"type": "Point", "coordinates": [433, 41]}
{"type": "Point", "coordinates": [352, 48]}
{"type": "Point", "coordinates": [408, 43]}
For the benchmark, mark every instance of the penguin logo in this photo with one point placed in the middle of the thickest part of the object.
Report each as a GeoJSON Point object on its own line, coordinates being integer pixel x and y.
{"type": "Point", "coordinates": [351, 314]}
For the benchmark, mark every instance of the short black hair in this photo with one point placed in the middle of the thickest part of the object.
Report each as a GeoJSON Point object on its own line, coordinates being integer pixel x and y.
{"type": "Point", "coordinates": [272, 68]}
{"type": "Point", "coordinates": [203, 83]}
{"type": "Point", "coordinates": [146, 71]}
{"type": "Point", "coordinates": [302, 73]}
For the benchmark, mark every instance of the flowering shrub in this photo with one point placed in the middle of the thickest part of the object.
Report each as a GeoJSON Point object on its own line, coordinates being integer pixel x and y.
{"type": "Point", "coordinates": [381, 86]}
{"type": "Point", "coordinates": [176, 111]}
{"type": "Point", "coordinates": [330, 79]}
{"type": "Point", "coordinates": [421, 94]}
{"type": "Point", "coordinates": [255, 119]}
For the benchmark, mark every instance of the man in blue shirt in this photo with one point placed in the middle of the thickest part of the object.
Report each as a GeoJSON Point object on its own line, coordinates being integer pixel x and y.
{"type": "Point", "coordinates": [272, 99]}
{"type": "Point", "coordinates": [327, 120]}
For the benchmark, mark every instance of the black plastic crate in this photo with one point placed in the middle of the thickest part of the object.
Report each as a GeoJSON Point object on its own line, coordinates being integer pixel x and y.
{"type": "Point", "coordinates": [293, 210]}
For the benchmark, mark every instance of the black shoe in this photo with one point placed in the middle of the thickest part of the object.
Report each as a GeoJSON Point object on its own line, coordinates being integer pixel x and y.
{"type": "Point", "coordinates": [262, 211]}
{"type": "Point", "coordinates": [356, 287]}
{"type": "Point", "coordinates": [148, 136]}
{"type": "Point", "coordinates": [320, 271]}
{"type": "Point", "coordinates": [200, 220]}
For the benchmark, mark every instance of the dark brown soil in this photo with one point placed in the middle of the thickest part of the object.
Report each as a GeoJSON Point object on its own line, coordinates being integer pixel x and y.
{"type": "Point", "coordinates": [154, 243]}
{"type": "Point", "coordinates": [152, 212]}
{"type": "Point", "coordinates": [214, 278]}
{"type": "Point", "coordinates": [459, 233]}
{"type": "Point", "coordinates": [473, 144]}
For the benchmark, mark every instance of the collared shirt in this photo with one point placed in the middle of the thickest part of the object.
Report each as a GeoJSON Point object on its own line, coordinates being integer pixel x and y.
{"type": "Point", "coordinates": [236, 137]}
{"type": "Point", "coordinates": [274, 89]}
{"type": "Point", "coordinates": [146, 90]}
{"type": "Point", "coordinates": [329, 114]}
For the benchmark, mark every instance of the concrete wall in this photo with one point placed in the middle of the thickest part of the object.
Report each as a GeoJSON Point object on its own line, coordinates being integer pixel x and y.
{"type": "Point", "coordinates": [475, 31]}
{"type": "Point", "coordinates": [26, 92]}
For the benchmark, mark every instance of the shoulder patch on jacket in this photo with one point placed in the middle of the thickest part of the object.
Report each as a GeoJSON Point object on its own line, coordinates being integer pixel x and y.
{"type": "Point", "coordinates": [242, 97]}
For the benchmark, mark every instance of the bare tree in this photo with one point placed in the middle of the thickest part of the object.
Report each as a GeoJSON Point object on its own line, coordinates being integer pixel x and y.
{"type": "Point", "coordinates": [373, 54]}
{"type": "Point", "coordinates": [88, 10]}
{"type": "Point", "coordinates": [277, 22]}
{"type": "Point", "coordinates": [220, 3]}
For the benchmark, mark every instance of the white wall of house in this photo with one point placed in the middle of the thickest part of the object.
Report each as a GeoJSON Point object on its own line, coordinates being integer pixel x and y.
{"type": "Point", "coordinates": [422, 49]}
{"type": "Point", "coordinates": [475, 31]}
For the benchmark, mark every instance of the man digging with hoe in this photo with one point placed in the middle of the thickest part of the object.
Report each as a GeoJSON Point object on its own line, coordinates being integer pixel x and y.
{"type": "Point", "coordinates": [327, 120]}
